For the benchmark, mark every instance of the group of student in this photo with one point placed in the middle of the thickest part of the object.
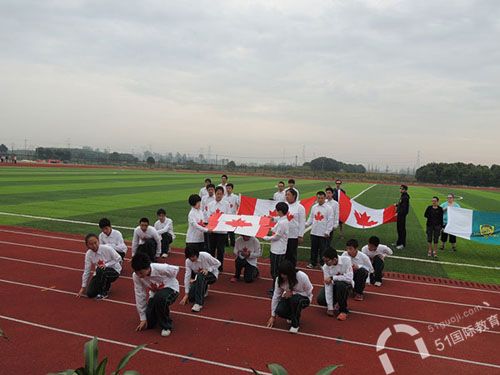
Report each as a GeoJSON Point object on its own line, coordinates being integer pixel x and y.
{"type": "Point", "coordinates": [156, 286]}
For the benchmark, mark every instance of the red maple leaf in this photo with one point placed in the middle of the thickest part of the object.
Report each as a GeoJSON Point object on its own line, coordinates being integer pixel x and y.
{"type": "Point", "coordinates": [201, 223]}
{"type": "Point", "coordinates": [318, 216]}
{"type": "Point", "coordinates": [238, 223]}
{"type": "Point", "coordinates": [290, 216]}
{"type": "Point", "coordinates": [156, 287]}
{"type": "Point", "coordinates": [364, 219]}
{"type": "Point", "coordinates": [217, 211]}
{"type": "Point", "coordinates": [101, 263]}
{"type": "Point", "coordinates": [273, 213]}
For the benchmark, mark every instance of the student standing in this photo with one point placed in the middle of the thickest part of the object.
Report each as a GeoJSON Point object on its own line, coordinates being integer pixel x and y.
{"type": "Point", "coordinates": [336, 196]}
{"type": "Point", "coordinates": [234, 203]}
{"type": "Point", "coordinates": [297, 218]}
{"type": "Point", "coordinates": [292, 294]}
{"type": "Point", "coordinates": [247, 250]}
{"type": "Point", "coordinates": [202, 270]}
{"type": "Point", "coordinates": [434, 226]}
{"type": "Point", "coordinates": [217, 240]}
{"type": "Point", "coordinates": [165, 228]}
{"type": "Point", "coordinates": [336, 211]}
{"type": "Point", "coordinates": [112, 237]}
{"type": "Point", "coordinates": [279, 196]}
{"type": "Point", "coordinates": [156, 288]}
{"type": "Point", "coordinates": [204, 189]}
{"type": "Point", "coordinates": [361, 266]}
{"type": "Point", "coordinates": [291, 185]}
{"type": "Point", "coordinates": [197, 230]}
{"type": "Point", "coordinates": [444, 236]}
{"type": "Point", "coordinates": [338, 279]}
{"type": "Point", "coordinates": [107, 264]}
{"type": "Point", "coordinates": [223, 183]}
{"type": "Point", "coordinates": [279, 240]}
{"type": "Point", "coordinates": [403, 208]}
{"type": "Point", "coordinates": [146, 239]}
{"type": "Point", "coordinates": [377, 253]}
{"type": "Point", "coordinates": [321, 219]}
{"type": "Point", "coordinates": [205, 201]}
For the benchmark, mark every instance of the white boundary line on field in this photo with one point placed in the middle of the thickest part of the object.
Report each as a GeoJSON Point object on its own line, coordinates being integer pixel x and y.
{"type": "Point", "coordinates": [336, 339]}
{"type": "Point", "coordinates": [364, 191]}
{"type": "Point", "coordinates": [121, 343]}
{"type": "Point", "coordinates": [302, 247]}
{"type": "Point", "coordinates": [266, 278]}
{"type": "Point", "coordinates": [266, 264]}
{"type": "Point", "coordinates": [356, 312]}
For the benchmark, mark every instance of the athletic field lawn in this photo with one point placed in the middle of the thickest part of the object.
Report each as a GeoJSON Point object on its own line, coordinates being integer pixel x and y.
{"type": "Point", "coordinates": [126, 195]}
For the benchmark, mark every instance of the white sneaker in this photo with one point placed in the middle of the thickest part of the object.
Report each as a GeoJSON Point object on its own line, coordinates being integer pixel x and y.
{"type": "Point", "coordinates": [196, 308]}
{"type": "Point", "coordinates": [293, 330]}
{"type": "Point", "coordinates": [378, 283]}
{"type": "Point", "coordinates": [368, 280]}
{"type": "Point", "coordinates": [400, 247]}
{"type": "Point", "coordinates": [164, 255]}
{"type": "Point", "coordinates": [166, 332]}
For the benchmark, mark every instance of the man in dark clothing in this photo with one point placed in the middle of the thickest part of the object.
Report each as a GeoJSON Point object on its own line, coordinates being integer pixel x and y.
{"type": "Point", "coordinates": [403, 207]}
{"type": "Point", "coordinates": [434, 215]}
{"type": "Point", "coordinates": [336, 193]}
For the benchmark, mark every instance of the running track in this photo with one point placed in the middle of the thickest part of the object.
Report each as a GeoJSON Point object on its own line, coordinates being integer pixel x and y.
{"type": "Point", "coordinates": [47, 325]}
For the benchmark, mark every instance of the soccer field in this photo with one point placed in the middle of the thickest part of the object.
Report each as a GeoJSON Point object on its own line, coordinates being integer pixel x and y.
{"type": "Point", "coordinates": [126, 195]}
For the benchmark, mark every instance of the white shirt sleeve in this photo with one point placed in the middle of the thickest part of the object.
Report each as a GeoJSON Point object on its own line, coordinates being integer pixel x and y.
{"type": "Point", "coordinates": [187, 276]}
{"type": "Point", "coordinates": [302, 220]}
{"type": "Point", "coordinates": [135, 241]}
{"type": "Point", "coordinates": [140, 297]}
{"type": "Point", "coordinates": [329, 220]}
{"type": "Point", "coordinates": [347, 276]}
{"type": "Point", "coordinates": [328, 288]}
{"type": "Point", "coordinates": [87, 269]}
{"type": "Point", "coordinates": [112, 256]}
{"type": "Point", "coordinates": [280, 231]}
{"type": "Point", "coordinates": [157, 238]}
{"type": "Point", "coordinates": [276, 297]}
{"type": "Point", "coordinates": [256, 249]}
{"type": "Point", "coordinates": [170, 229]}
{"type": "Point", "coordinates": [336, 213]}
{"type": "Point", "coordinates": [121, 246]}
{"type": "Point", "coordinates": [195, 225]}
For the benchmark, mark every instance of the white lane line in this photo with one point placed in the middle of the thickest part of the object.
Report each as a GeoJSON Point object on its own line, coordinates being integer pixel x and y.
{"type": "Point", "coordinates": [121, 343]}
{"type": "Point", "coordinates": [309, 270]}
{"type": "Point", "coordinates": [364, 191]}
{"type": "Point", "coordinates": [467, 265]}
{"type": "Point", "coordinates": [269, 279]}
{"type": "Point", "coordinates": [225, 321]}
{"type": "Point", "coordinates": [389, 317]}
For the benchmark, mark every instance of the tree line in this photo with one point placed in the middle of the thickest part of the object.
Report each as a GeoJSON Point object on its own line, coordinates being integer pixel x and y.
{"type": "Point", "coordinates": [459, 174]}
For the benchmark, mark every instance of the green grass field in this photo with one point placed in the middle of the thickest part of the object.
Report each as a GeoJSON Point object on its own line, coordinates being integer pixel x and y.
{"type": "Point", "coordinates": [126, 195]}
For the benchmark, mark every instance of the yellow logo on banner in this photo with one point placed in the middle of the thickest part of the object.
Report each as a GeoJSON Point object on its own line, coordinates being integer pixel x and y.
{"type": "Point", "coordinates": [486, 230]}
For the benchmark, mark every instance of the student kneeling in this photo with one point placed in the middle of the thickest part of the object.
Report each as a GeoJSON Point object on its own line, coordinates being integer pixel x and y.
{"type": "Point", "coordinates": [247, 250]}
{"type": "Point", "coordinates": [202, 269]}
{"type": "Point", "coordinates": [161, 281]}
{"type": "Point", "coordinates": [338, 275]}
{"type": "Point", "coordinates": [107, 263]}
{"type": "Point", "coordinates": [292, 294]}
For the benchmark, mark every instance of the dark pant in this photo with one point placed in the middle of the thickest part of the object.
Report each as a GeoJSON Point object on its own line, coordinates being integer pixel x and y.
{"type": "Point", "coordinates": [198, 289]}
{"type": "Point", "coordinates": [206, 245]}
{"type": "Point", "coordinates": [250, 272]}
{"type": "Point", "coordinates": [318, 247]}
{"type": "Point", "coordinates": [444, 238]}
{"type": "Point", "coordinates": [378, 267]}
{"type": "Point", "coordinates": [433, 232]}
{"type": "Point", "coordinates": [330, 239]}
{"type": "Point", "coordinates": [121, 254]}
{"type": "Point", "coordinates": [401, 226]}
{"type": "Point", "coordinates": [217, 242]}
{"type": "Point", "coordinates": [166, 240]}
{"type": "Point", "coordinates": [101, 282]}
{"type": "Point", "coordinates": [291, 308]}
{"type": "Point", "coordinates": [275, 259]}
{"type": "Point", "coordinates": [340, 294]}
{"type": "Point", "coordinates": [197, 245]}
{"type": "Point", "coordinates": [158, 310]}
{"type": "Point", "coordinates": [360, 276]}
{"type": "Point", "coordinates": [291, 250]}
{"type": "Point", "coordinates": [148, 247]}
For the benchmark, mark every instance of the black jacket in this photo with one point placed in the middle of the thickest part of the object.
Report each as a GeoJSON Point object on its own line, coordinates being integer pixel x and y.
{"type": "Point", "coordinates": [404, 204]}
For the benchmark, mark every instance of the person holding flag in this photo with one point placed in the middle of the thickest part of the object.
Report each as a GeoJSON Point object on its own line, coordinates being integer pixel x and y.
{"type": "Point", "coordinates": [321, 220]}
{"type": "Point", "coordinates": [336, 196]}
{"type": "Point", "coordinates": [450, 202]}
{"type": "Point", "coordinates": [247, 249]}
{"type": "Point", "coordinates": [403, 208]}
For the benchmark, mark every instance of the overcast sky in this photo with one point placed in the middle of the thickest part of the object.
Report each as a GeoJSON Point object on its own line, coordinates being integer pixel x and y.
{"type": "Point", "coordinates": [370, 81]}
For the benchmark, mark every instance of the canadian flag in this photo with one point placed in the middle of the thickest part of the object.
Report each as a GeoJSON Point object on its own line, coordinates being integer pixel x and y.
{"type": "Point", "coordinates": [267, 207]}
{"type": "Point", "coordinates": [246, 225]}
{"type": "Point", "coordinates": [358, 216]}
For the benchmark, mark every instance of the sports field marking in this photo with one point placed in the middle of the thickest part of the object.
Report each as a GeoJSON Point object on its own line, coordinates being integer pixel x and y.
{"type": "Point", "coordinates": [121, 343]}
{"type": "Point", "coordinates": [263, 278]}
{"type": "Point", "coordinates": [225, 321]}
{"type": "Point", "coordinates": [364, 191]}
{"type": "Point", "coordinates": [264, 243]}
{"type": "Point", "coordinates": [266, 264]}
{"type": "Point", "coordinates": [389, 317]}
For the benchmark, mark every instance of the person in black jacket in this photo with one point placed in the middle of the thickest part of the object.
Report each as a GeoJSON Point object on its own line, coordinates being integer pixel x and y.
{"type": "Point", "coordinates": [434, 215]}
{"type": "Point", "coordinates": [403, 207]}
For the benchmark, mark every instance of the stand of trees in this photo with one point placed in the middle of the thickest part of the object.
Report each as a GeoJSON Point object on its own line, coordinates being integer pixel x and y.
{"type": "Point", "coordinates": [83, 155]}
{"type": "Point", "coordinates": [332, 165]}
{"type": "Point", "coordinates": [459, 174]}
